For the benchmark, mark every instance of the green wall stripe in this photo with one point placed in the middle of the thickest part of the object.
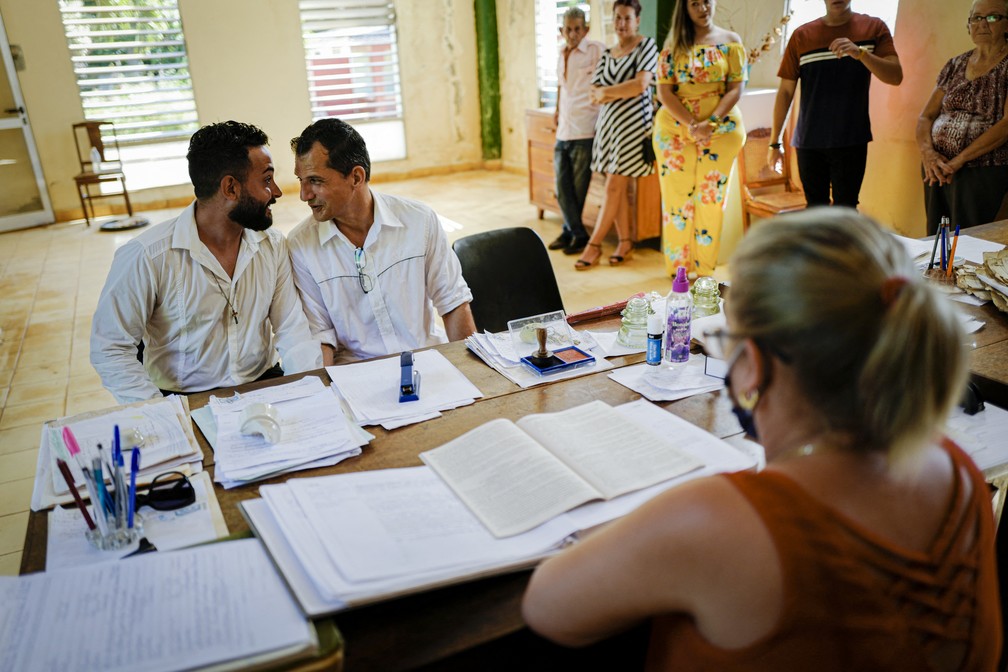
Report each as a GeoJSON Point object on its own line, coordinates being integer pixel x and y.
{"type": "Point", "coordinates": [489, 77]}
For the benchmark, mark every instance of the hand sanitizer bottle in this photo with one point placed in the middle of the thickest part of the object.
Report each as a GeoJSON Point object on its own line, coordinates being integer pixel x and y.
{"type": "Point", "coordinates": [678, 319]}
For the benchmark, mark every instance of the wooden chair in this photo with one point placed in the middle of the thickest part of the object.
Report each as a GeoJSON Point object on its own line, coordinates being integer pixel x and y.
{"type": "Point", "coordinates": [101, 136]}
{"type": "Point", "coordinates": [764, 192]}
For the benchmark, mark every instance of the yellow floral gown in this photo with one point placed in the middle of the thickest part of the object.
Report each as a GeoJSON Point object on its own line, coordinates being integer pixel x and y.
{"type": "Point", "coordinates": [694, 177]}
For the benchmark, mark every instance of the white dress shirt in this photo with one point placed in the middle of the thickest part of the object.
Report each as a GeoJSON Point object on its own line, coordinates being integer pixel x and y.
{"type": "Point", "coordinates": [166, 288]}
{"type": "Point", "coordinates": [576, 120]}
{"type": "Point", "coordinates": [411, 273]}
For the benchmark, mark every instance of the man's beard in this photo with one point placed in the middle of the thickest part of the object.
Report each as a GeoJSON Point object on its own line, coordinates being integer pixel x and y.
{"type": "Point", "coordinates": [251, 214]}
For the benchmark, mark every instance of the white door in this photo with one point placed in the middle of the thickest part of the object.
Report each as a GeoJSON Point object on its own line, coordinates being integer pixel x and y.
{"type": "Point", "coordinates": [24, 200]}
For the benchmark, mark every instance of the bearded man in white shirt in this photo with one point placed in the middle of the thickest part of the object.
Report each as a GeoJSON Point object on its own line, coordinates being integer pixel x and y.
{"type": "Point", "coordinates": [374, 271]}
{"type": "Point", "coordinates": [209, 294]}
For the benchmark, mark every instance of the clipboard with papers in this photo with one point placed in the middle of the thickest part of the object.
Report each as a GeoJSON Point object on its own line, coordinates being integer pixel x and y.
{"type": "Point", "coordinates": [161, 426]}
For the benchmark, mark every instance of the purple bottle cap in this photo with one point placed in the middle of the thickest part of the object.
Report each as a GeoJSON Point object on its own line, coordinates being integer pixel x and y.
{"type": "Point", "coordinates": [681, 282]}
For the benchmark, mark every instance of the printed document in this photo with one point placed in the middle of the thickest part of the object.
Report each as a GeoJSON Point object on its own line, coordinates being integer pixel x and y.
{"type": "Point", "coordinates": [516, 476]}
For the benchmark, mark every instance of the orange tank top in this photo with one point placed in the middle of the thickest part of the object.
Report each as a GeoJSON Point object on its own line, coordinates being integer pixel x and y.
{"type": "Point", "coordinates": [855, 601]}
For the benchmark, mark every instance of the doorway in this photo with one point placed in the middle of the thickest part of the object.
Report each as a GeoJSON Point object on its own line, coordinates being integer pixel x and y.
{"type": "Point", "coordinates": [24, 201]}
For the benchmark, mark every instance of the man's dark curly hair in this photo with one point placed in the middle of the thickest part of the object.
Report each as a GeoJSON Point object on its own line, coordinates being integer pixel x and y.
{"type": "Point", "coordinates": [218, 150]}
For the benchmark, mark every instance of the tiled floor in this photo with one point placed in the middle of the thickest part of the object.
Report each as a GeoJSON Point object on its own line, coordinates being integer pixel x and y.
{"type": "Point", "coordinates": [50, 279]}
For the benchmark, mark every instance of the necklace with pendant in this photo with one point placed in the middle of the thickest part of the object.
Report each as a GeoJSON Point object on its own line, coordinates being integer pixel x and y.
{"type": "Point", "coordinates": [234, 313]}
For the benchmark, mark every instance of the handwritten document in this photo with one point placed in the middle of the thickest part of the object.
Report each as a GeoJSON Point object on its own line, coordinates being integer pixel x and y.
{"type": "Point", "coordinates": [155, 612]}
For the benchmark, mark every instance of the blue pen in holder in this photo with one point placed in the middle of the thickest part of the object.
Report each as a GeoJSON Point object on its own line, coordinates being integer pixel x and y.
{"type": "Point", "coordinates": [114, 526]}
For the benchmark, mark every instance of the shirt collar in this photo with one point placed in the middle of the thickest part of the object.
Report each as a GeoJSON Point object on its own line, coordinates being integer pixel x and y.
{"type": "Point", "coordinates": [383, 216]}
{"type": "Point", "coordinates": [186, 236]}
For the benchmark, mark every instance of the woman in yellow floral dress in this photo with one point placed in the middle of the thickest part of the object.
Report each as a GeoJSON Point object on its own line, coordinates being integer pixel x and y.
{"type": "Point", "coordinates": [697, 133]}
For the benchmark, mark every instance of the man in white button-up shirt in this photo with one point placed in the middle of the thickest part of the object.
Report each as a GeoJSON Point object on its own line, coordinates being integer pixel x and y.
{"type": "Point", "coordinates": [209, 293]}
{"type": "Point", "coordinates": [374, 271]}
{"type": "Point", "coordinates": [574, 120]}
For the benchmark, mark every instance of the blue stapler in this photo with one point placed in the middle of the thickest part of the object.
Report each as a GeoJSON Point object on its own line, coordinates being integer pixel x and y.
{"type": "Point", "coordinates": [409, 383]}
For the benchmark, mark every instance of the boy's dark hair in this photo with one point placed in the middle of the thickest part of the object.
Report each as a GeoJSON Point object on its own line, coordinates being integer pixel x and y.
{"type": "Point", "coordinates": [221, 149]}
{"type": "Point", "coordinates": [342, 142]}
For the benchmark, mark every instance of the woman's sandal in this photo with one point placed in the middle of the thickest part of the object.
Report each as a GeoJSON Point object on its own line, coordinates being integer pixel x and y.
{"type": "Point", "coordinates": [582, 264]}
{"type": "Point", "coordinates": [616, 259]}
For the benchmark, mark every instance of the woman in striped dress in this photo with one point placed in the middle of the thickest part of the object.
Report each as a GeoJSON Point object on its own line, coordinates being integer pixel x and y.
{"type": "Point", "coordinates": [622, 85]}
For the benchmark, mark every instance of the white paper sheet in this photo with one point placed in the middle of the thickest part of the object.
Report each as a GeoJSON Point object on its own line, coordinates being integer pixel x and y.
{"type": "Point", "coordinates": [314, 431]}
{"type": "Point", "coordinates": [668, 384]}
{"type": "Point", "coordinates": [371, 388]}
{"type": "Point", "coordinates": [981, 435]}
{"type": "Point", "coordinates": [154, 612]}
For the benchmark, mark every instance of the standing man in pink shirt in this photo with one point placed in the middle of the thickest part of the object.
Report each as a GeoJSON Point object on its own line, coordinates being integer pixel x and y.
{"type": "Point", "coordinates": [575, 128]}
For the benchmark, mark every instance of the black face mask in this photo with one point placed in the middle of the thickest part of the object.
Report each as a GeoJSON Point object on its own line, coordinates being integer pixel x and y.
{"type": "Point", "coordinates": [745, 416]}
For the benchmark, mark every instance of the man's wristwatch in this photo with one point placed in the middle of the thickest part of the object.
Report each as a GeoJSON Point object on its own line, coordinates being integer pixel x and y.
{"type": "Point", "coordinates": [774, 145]}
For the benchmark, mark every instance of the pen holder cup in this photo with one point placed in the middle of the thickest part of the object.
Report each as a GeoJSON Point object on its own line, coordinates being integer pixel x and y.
{"type": "Point", "coordinates": [938, 276]}
{"type": "Point", "coordinates": [116, 537]}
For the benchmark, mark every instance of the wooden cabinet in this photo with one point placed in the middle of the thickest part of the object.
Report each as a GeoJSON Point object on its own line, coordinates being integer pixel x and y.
{"type": "Point", "coordinates": [644, 193]}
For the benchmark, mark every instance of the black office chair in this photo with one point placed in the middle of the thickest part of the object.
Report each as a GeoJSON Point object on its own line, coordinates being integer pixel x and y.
{"type": "Point", "coordinates": [510, 275]}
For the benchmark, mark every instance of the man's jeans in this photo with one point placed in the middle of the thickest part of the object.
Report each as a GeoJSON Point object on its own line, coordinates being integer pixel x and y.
{"type": "Point", "coordinates": [572, 165]}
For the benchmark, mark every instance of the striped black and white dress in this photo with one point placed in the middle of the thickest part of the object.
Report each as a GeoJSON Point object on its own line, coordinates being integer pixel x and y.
{"type": "Point", "coordinates": [623, 124]}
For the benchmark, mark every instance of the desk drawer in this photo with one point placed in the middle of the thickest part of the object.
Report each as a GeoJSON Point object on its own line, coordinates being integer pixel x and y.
{"type": "Point", "coordinates": [541, 159]}
{"type": "Point", "coordinates": [544, 195]}
{"type": "Point", "coordinates": [539, 127]}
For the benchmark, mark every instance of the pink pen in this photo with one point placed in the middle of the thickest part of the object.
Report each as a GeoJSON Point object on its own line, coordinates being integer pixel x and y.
{"type": "Point", "coordinates": [71, 442]}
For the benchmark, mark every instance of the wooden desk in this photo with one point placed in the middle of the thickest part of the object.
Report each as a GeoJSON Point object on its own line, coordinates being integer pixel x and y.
{"type": "Point", "coordinates": [429, 627]}
{"type": "Point", "coordinates": [989, 354]}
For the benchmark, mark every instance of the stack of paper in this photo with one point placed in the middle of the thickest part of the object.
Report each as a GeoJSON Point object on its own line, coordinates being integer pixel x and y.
{"type": "Point", "coordinates": [371, 389]}
{"type": "Point", "coordinates": [214, 604]}
{"type": "Point", "coordinates": [159, 427]}
{"type": "Point", "coordinates": [499, 353]}
{"type": "Point", "coordinates": [314, 432]}
{"type": "Point", "coordinates": [353, 538]}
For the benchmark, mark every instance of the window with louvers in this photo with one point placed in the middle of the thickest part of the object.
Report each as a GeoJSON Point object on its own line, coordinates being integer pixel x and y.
{"type": "Point", "coordinates": [129, 58]}
{"type": "Point", "coordinates": [352, 59]}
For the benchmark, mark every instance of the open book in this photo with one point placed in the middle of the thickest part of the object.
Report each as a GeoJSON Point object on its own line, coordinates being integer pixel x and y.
{"type": "Point", "coordinates": [349, 539]}
{"type": "Point", "coordinates": [516, 476]}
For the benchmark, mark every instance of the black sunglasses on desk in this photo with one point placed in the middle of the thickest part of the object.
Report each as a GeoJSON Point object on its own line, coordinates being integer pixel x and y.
{"type": "Point", "coordinates": [167, 492]}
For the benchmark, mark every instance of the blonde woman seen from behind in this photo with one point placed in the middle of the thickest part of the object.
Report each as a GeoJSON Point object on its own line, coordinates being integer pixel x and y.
{"type": "Point", "coordinates": [868, 541]}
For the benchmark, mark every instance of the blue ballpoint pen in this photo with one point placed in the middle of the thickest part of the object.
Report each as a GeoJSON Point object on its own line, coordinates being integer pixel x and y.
{"type": "Point", "coordinates": [134, 467]}
{"type": "Point", "coordinates": [943, 249]}
{"type": "Point", "coordinates": [103, 497]}
{"type": "Point", "coordinates": [120, 494]}
{"type": "Point", "coordinates": [116, 448]}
